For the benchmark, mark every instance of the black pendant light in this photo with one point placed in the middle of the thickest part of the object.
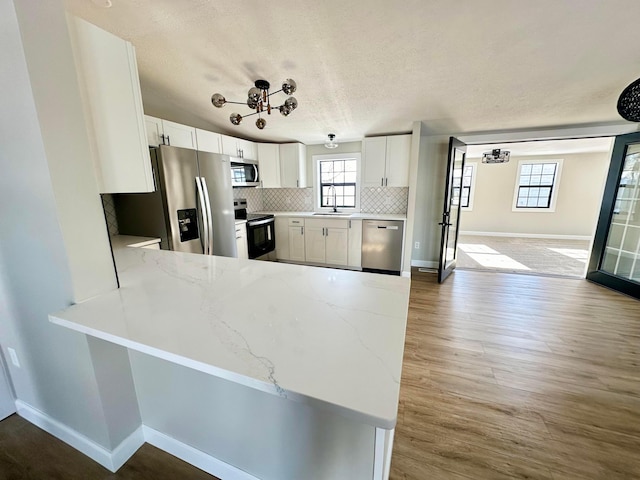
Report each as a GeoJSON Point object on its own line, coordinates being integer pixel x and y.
{"type": "Point", "coordinates": [629, 102]}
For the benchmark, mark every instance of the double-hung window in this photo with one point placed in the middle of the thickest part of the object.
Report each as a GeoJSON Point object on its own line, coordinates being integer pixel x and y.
{"type": "Point", "coordinates": [336, 180]}
{"type": "Point", "coordinates": [536, 185]}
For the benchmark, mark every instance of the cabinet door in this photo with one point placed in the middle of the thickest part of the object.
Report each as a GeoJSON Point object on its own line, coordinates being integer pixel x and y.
{"type": "Point", "coordinates": [374, 152]}
{"type": "Point", "coordinates": [208, 141]}
{"type": "Point", "coordinates": [229, 145]}
{"type": "Point", "coordinates": [110, 89]}
{"type": "Point", "coordinates": [241, 241]}
{"type": "Point", "coordinates": [248, 149]}
{"type": "Point", "coordinates": [282, 238]}
{"type": "Point", "coordinates": [178, 135]}
{"type": "Point", "coordinates": [297, 243]}
{"type": "Point", "coordinates": [336, 246]}
{"type": "Point", "coordinates": [355, 244]}
{"type": "Point", "coordinates": [314, 241]}
{"type": "Point", "coordinates": [153, 126]}
{"type": "Point", "coordinates": [289, 165]}
{"type": "Point", "coordinates": [269, 159]}
{"type": "Point", "coordinates": [398, 157]}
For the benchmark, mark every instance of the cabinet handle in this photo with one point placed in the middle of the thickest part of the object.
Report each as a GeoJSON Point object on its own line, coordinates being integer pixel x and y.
{"type": "Point", "coordinates": [382, 182]}
{"type": "Point", "coordinates": [301, 230]}
{"type": "Point", "coordinates": [297, 183]}
{"type": "Point", "coordinates": [327, 229]}
{"type": "Point", "coordinates": [386, 182]}
{"type": "Point", "coordinates": [168, 141]}
{"type": "Point", "coordinates": [162, 137]}
{"type": "Point", "coordinates": [349, 223]}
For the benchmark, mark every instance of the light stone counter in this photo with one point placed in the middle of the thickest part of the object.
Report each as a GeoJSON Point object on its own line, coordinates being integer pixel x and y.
{"type": "Point", "coordinates": [353, 216]}
{"type": "Point", "coordinates": [330, 338]}
{"type": "Point", "coordinates": [122, 241]}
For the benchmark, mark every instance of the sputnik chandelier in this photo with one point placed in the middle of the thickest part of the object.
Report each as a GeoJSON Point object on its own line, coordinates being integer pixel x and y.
{"type": "Point", "coordinates": [259, 100]}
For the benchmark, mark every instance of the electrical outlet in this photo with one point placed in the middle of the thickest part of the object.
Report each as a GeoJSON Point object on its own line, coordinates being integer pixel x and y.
{"type": "Point", "coordinates": [417, 245]}
{"type": "Point", "coordinates": [14, 357]}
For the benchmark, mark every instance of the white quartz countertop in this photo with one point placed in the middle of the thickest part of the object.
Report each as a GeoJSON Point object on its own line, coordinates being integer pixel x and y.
{"type": "Point", "coordinates": [353, 216]}
{"type": "Point", "coordinates": [331, 338]}
{"type": "Point", "coordinates": [122, 241]}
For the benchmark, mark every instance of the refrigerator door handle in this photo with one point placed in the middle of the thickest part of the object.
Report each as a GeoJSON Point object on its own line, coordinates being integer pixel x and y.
{"type": "Point", "coordinates": [209, 214]}
{"type": "Point", "coordinates": [203, 210]}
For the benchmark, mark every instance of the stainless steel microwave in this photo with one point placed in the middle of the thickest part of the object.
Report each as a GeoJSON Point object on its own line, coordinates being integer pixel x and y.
{"type": "Point", "coordinates": [244, 173]}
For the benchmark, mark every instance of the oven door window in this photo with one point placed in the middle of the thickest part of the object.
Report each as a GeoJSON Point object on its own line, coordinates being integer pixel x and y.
{"type": "Point", "coordinates": [261, 239]}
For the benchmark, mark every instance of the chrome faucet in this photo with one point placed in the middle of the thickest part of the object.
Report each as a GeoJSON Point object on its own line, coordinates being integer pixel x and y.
{"type": "Point", "coordinates": [335, 201]}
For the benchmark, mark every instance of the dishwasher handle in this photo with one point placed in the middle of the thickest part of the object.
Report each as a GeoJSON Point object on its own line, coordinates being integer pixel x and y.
{"type": "Point", "coordinates": [388, 227]}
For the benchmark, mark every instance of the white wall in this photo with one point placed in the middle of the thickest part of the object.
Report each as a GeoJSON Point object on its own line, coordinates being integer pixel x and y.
{"type": "Point", "coordinates": [432, 164]}
{"type": "Point", "coordinates": [579, 195]}
{"type": "Point", "coordinates": [53, 242]}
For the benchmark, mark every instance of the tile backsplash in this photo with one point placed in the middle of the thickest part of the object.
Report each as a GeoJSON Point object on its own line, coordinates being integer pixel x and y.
{"type": "Point", "coordinates": [384, 199]}
{"type": "Point", "coordinates": [288, 199]}
{"type": "Point", "coordinates": [110, 213]}
{"type": "Point", "coordinates": [254, 196]}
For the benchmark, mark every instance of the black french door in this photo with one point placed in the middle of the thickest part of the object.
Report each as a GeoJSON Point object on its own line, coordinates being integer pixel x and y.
{"type": "Point", "coordinates": [615, 258]}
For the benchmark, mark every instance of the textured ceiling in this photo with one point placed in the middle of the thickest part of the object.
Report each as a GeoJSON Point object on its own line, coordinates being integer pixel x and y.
{"type": "Point", "coordinates": [546, 147]}
{"type": "Point", "coordinates": [369, 67]}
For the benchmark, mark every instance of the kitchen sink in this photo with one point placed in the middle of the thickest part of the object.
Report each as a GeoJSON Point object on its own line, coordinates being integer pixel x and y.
{"type": "Point", "coordinates": [332, 214]}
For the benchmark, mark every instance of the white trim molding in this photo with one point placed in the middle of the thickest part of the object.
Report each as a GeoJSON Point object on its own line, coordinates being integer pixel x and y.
{"type": "Point", "coordinates": [524, 235]}
{"type": "Point", "coordinates": [111, 460]}
{"type": "Point", "coordinates": [195, 457]}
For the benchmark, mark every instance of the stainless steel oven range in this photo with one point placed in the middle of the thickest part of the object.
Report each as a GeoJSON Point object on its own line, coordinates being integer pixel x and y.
{"type": "Point", "coordinates": [261, 237]}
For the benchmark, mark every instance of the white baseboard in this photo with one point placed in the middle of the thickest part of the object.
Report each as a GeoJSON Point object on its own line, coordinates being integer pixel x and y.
{"type": "Point", "coordinates": [526, 235]}
{"type": "Point", "coordinates": [424, 263]}
{"type": "Point", "coordinates": [111, 460]}
{"type": "Point", "coordinates": [194, 456]}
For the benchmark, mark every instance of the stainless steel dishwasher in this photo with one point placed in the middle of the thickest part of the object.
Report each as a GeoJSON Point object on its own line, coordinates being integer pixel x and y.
{"type": "Point", "coordinates": [382, 245]}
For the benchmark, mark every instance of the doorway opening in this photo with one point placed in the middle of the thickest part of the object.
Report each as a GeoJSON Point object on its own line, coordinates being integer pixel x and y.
{"type": "Point", "coordinates": [535, 214]}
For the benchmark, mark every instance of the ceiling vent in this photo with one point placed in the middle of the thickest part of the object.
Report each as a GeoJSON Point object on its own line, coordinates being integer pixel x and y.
{"type": "Point", "coordinates": [496, 156]}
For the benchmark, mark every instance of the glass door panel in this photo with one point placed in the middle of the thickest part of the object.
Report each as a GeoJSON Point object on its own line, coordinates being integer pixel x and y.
{"type": "Point", "coordinates": [615, 260]}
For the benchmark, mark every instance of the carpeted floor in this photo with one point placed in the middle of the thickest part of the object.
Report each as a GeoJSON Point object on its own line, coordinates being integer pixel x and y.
{"type": "Point", "coordinates": [524, 255]}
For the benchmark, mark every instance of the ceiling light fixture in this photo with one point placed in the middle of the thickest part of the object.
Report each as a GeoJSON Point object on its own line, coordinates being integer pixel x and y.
{"type": "Point", "coordinates": [259, 100]}
{"type": "Point", "coordinates": [629, 102]}
{"type": "Point", "coordinates": [496, 156]}
{"type": "Point", "coordinates": [331, 143]}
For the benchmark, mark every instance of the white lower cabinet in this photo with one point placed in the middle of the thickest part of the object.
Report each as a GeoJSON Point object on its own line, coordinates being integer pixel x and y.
{"type": "Point", "coordinates": [297, 245]}
{"type": "Point", "coordinates": [354, 255]}
{"type": "Point", "coordinates": [241, 240]}
{"type": "Point", "coordinates": [314, 243]}
{"type": "Point", "coordinates": [327, 241]}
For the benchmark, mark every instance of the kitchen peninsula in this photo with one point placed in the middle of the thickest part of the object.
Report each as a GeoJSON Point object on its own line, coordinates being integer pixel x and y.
{"type": "Point", "coordinates": [274, 370]}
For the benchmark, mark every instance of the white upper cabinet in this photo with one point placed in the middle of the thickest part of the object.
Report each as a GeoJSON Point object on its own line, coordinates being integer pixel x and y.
{"type": "Point", "coordinates": [238, 147]}
{"type": "Point", "coordinates": [269, 160]}
{"type": "Point", "coordinates": [208, 141]}
{"type": "Point", "coordinates": [108, 78]}
{"type": "Point", "coordinates": [164, 132]}
{"type": "Point", "coordinates": [293, 165]}
{"type": "Point", "coordinates": [155, 134]}
{"type": "Point", "coordinates": [178, 135]}
{"type": "Point", "coordinates": [386, 161]}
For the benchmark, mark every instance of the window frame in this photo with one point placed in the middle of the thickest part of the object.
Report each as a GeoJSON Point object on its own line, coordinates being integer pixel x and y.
{"type": "Point", "coordinates": [554, 189]}
{"type": "Point", "coordinates": [317, 189]}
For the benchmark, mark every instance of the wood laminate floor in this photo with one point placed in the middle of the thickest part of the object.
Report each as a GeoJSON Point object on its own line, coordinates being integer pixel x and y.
{"type": "Point", "coordinates": [515, 376]}
{"type": "Point", "coordinates": [28, 453]}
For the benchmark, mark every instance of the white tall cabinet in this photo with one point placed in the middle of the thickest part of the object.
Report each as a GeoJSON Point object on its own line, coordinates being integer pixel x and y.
{"type": "Point", "coordinates": [208, 141]}
{"type": "Point", "coordinates": [386, 161]}
{"type": "Point", "coordinates": [110, 88]}
{"type": "Point", "coordinates": [269, 160]}
{"type": "Point", "coordinates": [293, 165]}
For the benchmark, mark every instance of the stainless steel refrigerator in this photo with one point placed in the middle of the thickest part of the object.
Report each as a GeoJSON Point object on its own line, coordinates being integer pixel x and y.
{"type": "Point", "coordinates": [192, 208]}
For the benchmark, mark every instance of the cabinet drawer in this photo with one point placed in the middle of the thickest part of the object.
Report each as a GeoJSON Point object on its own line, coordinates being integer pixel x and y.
{"type": "Point", "coordinates": [296, 222]}
{"type": "Point", "coordinates": [327, 222]}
